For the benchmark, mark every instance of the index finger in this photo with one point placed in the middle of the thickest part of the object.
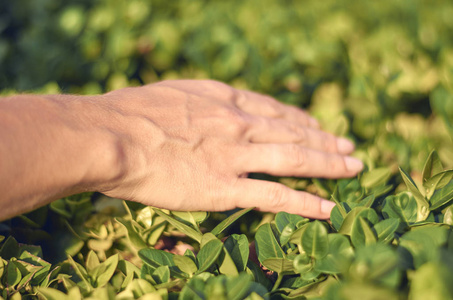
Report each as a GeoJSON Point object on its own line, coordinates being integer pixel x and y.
{"type": "Point", "coordinates": [263, 105]}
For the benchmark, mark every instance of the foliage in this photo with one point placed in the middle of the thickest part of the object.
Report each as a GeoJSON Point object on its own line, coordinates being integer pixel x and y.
{"type": "Point", "coordinates": [379, 73]}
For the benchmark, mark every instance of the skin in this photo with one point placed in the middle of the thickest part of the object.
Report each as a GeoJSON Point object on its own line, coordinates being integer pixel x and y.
{"type": "Point", "coordinates": [179, 145]}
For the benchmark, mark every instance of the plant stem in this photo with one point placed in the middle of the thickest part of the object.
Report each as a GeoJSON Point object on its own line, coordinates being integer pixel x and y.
{"type": "Point", "coordinates": [277, 282]}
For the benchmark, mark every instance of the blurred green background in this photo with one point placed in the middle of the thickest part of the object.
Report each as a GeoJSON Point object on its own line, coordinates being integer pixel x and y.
{"type": "Point", "coordinates": [380, 72]}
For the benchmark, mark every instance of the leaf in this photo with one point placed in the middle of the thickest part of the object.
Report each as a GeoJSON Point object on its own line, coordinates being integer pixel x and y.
{"type": "Point", "coordinates": [51, 294]}
{"type": "Point", "coordinates": [227, 265]}
{"type": "Point", "coordinates": [442, 196]}
{"type": "Point", "coordinates": [376, 263]}
{"type": "Point", "coordinates": [314, 240]}
{"type": "Point", "coordinates": [375, 177]}
{"type": "Point", "coordinates": [266, 244]}
{"type": "Point", "coordinates": [402, 206]}
{"type": "Point", "coordinates": [339, 256]}
{"type": "Point", "coordinates": [208, 255]}
{"type": "Point", "coordinates": [81, 272]}
{"type": "Point", "coordinates": [92, 262]}
{"type": "Point", "coordinates": [385, 230]}
{"type": "Point", "coordinates": [366, 213]}
{"type": "Point", "coordinates": [10, 248]}
{"type": "Point", "coordinates": [228, 221]}
{"type": "Point", "coordinates": [431, 281]}
{"type": "Point", "coordinates": [108, 269]}
{"type": "Point", "coordinates": [238, 248]}
{"type": "Point", "coordinates": [362, 234]}
{"type": "Point", "coordinates": [438, 181]}
{"type": "Point", "coordinates": [155, 258]}
{"type": "Point", "coordinates": [422, 243]}
{"type": "Point", "coordinates": [422, 204]}
{"type": "Point", "coordinates": [193, 217]}
{"type": "Point", "coordinates": [240, 286]}
{"type": "Point", "coordinates": [185, 264]}
{"type": "Point", "coordinates": [448, 216]}
{"type": "Point", "coordinates": [433, 166]}
{"type": "Point", "coordinates": [187, 230]}
{"type": "Point", "coordinates": [282, 266]}
{"type": "Point", "coordinates": [161, 274]}
{"type": "Point", "coordinates": [303, 263]}
{"type": "Point", "coordinates": [13, 274]}
{"type": "Point", "coordinates": [132, 234]}
{"type": "Point", "coordinates": [283, 219]}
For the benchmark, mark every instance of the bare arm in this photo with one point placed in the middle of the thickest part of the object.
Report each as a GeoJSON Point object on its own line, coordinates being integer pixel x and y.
{"type": "Point", "coordinates": [180, 145]}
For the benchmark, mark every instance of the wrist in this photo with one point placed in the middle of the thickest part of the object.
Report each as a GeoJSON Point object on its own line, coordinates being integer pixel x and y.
{"type": "Point", "coordinates": [95, 144]}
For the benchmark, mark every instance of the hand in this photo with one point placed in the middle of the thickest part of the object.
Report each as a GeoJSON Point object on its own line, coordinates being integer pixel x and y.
{"type": "Point", "coordinates": [189, 145]}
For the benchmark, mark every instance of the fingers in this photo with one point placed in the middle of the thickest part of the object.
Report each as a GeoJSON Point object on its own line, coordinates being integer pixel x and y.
{"type": "Point", "coordinates": [257, 104]}
{"type": "Point", "coordinates": [275, 197]}
{"type": "Point", "coordinates": [296, 160]}
{"type": "Point", "coordinates": [266, 130]}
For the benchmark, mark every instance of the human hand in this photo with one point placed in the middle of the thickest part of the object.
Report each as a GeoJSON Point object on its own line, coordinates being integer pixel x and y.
{"type": "Point", "coordinates": [189, 145]}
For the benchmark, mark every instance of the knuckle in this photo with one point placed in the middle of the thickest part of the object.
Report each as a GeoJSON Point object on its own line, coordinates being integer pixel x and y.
{"type": "Point", "coordinates": [235, 121]}
{"type": "Point", "coordinates": [333, 164]}
{"type": "Point", "coordinates": [297, 155]}
{"type": "Point", "coordinates": [277, 197]}
{"type": "Point", "coordinates": [330, 143]}
{"type": "Point", "coordinates": [306, 205]}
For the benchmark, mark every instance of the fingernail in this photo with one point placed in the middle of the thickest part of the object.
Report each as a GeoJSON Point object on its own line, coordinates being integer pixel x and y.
{"type": "Point", "coordinates": [327, 206]}
{"type": "Point", "coordinates": [344, 146]}
{"type": "Point", "coordinates": [353, 164]}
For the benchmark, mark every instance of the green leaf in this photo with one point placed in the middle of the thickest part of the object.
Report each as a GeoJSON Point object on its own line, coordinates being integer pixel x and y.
{"type": "Point", "coordinates": [448, 216]}
{"type": "Point", "coordinates": [228, 221]}
{"type": "Point", "coordinates": [13, 274]}
{"type": "Point", "coordinates": [187, 230]}
{"type": "Point", "coordinates": [161, 274]}
{"type": "Point", "coordinates": [10, 248]}
{"type": "Point", "coordinates": [386, 229]}
{"type": "Point", "coordinates": [240, 286]}
{"type": "Point", "coordinates": [339, 256]}
{"type": "Point", "coordinates": [375, 177]}
{"type": "Point", "coordinates": [266, 244]}
{"type": "Point", "coordinates": [283, 219]}
{"type": "Point", "coordinates": [185, 264]}
{"type": "Point", "coordinates": [314, 240]}
{"type": "Point", "coordinates": [135, 238]}
{"type": "Point", "coordinates": [433, 166]}
{"type": "Point", "coordinates": [362, 234]}
{"type": "Point", "coordinates": [442, 196]}
{"type": "Point", "coordinates": [422, 204]}
{"type": "Point", "coordinates": [193, 217]}
{"type": "Point", "coordinates": [282, 266]}
{"type": "Point", "coordinates": [208, 255]}
{"type": "Point", "coordinates": [431, 281]}
{"type": "Point", "coordinates": [81, 272]}
{"type": "Point", "coordinates": [92, 262]}
{"type": "Point", "coordinates": [366, 213]}
{"type": "Point", "coordinates": [108, 268]}
{"type": "Point", "coordinates": [376, 263]}
{"type": "Point", "coordinates": [438, 181]}
{"type": "Point", "coordinates": [155, 258]}
{"type": "Point", "coordinates": [227, 265]}
{"type": "Point", "coordinates": [423, 242]}
{"type": "Point", "coordinates": [238, 248]}
{"type": "Point", "coordinates": [52, 294]}
{"type": "Point", "coordinates": [303, 263]}
{"type": "Point", "coordinates": [402, 206]}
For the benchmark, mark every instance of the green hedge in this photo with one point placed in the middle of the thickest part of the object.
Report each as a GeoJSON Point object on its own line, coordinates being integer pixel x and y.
{"type": "Point", "coordinates": [378, 72]}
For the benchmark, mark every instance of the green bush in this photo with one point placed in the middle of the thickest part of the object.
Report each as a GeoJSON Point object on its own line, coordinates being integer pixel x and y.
{"type": "Point", "coordinates": [380, 73]}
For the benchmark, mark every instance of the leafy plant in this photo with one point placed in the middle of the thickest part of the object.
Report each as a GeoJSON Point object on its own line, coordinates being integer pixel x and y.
{"type": "Point", "coordinates": [376, 72]}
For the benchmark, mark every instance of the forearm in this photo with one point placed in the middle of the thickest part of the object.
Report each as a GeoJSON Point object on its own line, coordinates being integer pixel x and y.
{"type": "Point", "coordinates": [51, 147]}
